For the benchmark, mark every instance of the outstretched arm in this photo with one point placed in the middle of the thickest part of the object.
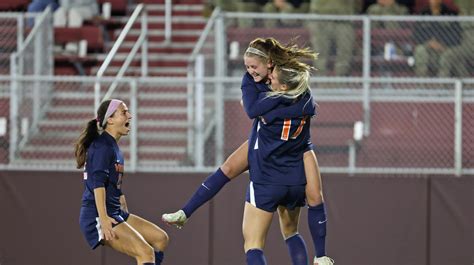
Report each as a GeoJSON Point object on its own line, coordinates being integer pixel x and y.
{"type": "Point", "coordinates": [304, 107]}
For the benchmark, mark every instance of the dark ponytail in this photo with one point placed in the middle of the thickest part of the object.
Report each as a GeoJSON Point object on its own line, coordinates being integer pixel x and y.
{"type": "Point", "coordinates": [89, 134]}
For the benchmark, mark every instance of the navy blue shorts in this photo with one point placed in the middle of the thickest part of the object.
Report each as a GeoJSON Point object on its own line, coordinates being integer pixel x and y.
{"type": "Point", "coordinates": [90, 226]}
{"type": "Point", "coordinates": [269, 197]}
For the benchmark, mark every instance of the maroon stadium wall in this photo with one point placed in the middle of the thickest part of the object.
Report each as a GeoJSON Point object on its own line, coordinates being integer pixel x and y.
{"type": "Point", "coordinates": [373, 220]}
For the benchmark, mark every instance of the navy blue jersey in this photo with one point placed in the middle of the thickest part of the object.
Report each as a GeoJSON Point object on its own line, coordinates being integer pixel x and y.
{"type": "Point", "coordinates": [280, 134]}
{"type": "Point", "coordinates": [257, 103]}
{"type": "Point", "coordinates": [276, 151]}
{"type": "Point", "coordinates": [104, 168]}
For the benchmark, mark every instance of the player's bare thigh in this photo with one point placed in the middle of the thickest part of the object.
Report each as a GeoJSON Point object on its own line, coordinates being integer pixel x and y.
{"type": "Point", "coordinates": [314, 194]}
{"type": "Point", "coordinates": [237, 162]}
{"type": "Point", "coordinates": [255, 225]}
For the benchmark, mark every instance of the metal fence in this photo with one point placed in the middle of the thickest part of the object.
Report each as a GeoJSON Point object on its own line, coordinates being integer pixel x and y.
{"type": "Point", "coordinates": [417, 126]}
{"type": "Point", "coordinates": [14, 27]}
{"type": "Point", "coordinates": [378, 117]}
{"type": "Point", "coordinates": [28, 104]}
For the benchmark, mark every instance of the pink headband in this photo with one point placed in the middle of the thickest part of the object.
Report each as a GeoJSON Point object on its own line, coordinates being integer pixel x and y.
{"type": "Point", "coordinates": [113, 105]}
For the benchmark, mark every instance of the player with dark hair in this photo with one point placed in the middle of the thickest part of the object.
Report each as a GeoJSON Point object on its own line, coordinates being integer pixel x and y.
{"type": "Point", "coordinates": [104, 217]}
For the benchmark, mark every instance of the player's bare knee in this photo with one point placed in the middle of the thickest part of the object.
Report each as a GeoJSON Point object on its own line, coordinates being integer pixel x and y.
{"type": "Point", "coordinates": [163, 241]}
{"type": "Point", "coordinates": [314, 198]}
{"type": "Point", "coordinates": [145, 252]}
{"type": "Point", "coordinates": [228, 169]}
{"type": "Point", "coordinates": [288, 229]}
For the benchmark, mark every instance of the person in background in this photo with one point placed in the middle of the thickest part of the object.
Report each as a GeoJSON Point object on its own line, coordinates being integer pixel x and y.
{"type": "Point", "coordinates": [72, 13]}
{"type": "Point", "coordinates": [463, 54]}
{"type": "Point", "coordinates": [437, 41]}
{"type": "Point", "coordinates": [386, 7]}
{"type": "Point", "coordinates": [37, 6]}
{"type": "Point", "coordinates": [329, 34]}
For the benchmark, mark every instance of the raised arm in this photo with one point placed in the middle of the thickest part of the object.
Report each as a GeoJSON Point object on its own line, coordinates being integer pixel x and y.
{"type": "Point", "coordinates": [254, 98]}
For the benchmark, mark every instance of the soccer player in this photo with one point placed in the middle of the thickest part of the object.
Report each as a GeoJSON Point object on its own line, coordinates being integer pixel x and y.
{"type": "Point", "coordinates": [104, 217]}
{"type": "Point", "coordinates": [260, 56]}
{"type": "Point", "coordinates": [277, 174]}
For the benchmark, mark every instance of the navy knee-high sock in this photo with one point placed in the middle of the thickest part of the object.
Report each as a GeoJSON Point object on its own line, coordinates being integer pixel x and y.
{"type": "Point", "coordinates": [148, 263]}
{"type": "Point", "coordinates": [297, 248]}
{"type": "Point", "coordinates": [255, 257]}
{"type": "Point", "coordinates": [159, 256]}
{"type": "Point", "coordinates": [208, 189]}
{"type": "Point", "coordinates": [317, 226]}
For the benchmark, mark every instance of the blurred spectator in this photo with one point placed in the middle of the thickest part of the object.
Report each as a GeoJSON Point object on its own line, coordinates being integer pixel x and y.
{"type": "Point", "coordinates": [72, 13]}
{"type": "Point", "coordinates": [464, 55]}
{"type": "Point", "coordinates": [37, 6]}
{"type": "Point", "coordinates": [386, 7]}
{"type": "Point", "coordinates": [249, 6]}
{"type": "Point", "coordinates": [279, 6]}
{"type": "Point", "coordinates": [40, 5]}
{"type": "Point", "coordinates": [410, 4]}
{"type": "Point", "coordinates": [326, 34]}
{"type": "Point", "coordinates": [438, 42]}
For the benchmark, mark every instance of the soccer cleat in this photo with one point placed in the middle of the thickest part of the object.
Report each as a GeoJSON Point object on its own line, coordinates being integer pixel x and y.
{"type": "Point", "coordinates": [177, 219]}
{"type": "Point", "coordinates": [323, 261]}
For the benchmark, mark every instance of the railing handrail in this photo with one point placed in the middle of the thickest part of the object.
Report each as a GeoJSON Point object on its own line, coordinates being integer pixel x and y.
{"type": "Point", "coordinates": [313, 16]}
{"type": "Point", "coordinates": [231, 79]}
{"type": "Point", "coordinates": [120, 40]}
{"type": "Point", "coordinates": [33, 31]}
{"type": "Point", "coordinates": [204, 35]}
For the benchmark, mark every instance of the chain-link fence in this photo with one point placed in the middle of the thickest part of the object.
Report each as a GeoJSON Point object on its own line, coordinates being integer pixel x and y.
{"type": "Point", "coordinates": [369, 120]}
{"type": "Point", "coordinates": [378, 46]}
{"type": "Point", "coordinates": [410, 125]}
{"type": "Point", "coordinates": [14, 27]}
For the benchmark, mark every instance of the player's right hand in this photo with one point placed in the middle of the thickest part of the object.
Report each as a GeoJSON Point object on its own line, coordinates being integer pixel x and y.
{"type": "Point", "coordinates": [106, 225]}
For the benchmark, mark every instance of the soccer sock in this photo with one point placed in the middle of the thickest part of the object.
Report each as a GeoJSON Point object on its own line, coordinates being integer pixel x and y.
{"type": "Point", "coordinates": [297, 248]}
{"type": "Point", "coordinates": [159, 255]}
{"type": "Point", "coordinates": [255, 257]}
{"type": "Point", "coordinates": [317, 226]}
{"type": "Point", "coordinates": [208, 189]}
{"type": "Point", "coordinates": [148, 263]}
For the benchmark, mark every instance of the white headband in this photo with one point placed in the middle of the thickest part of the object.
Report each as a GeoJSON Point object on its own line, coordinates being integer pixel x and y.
{"type": "Point", "coordinates": [255, 51]}
{"type": "Point", "coordinates": [113, 105]}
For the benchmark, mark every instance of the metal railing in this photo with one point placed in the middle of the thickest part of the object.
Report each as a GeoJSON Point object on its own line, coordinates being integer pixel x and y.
{"type": "Point", "coordinates": [34, 57]}
{"type": "Point", "coordinates": [141, 42]}
{"type": "Point", "coordinates": [418, 123]}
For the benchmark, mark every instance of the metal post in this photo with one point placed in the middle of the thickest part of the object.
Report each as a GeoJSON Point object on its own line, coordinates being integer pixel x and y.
{"type": "Point", "coordinates": [366, 75]}
{"type": "Point", "coordinates": [190, 112]}
{"type": "Point", "coordinates": [458, 128]}
{"type": "Point", "coordinates": [168, 21]}
{"type": "Point", "coordinates": [19, 44]}
{"type": "Point", "coordinates": [220, 66]}
{"type": "Point", "coordinates": [352, 157]}
{"type": "Point", "coordinates": [96, 97]}
{"type": "Point", "coordinates": [37, 64]}
{"type": "Point", "coordinates": [144, 31]}
{"type": "Point", "coordinates": [199, 119]}
{"type": "Point", "coordinates": [134, 124]}
{"type": "Point", "coordinates": [13, 108]}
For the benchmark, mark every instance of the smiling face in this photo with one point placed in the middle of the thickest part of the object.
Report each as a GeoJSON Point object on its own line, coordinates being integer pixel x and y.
{"type": "Point", "coordinates": [256, 67]}
{"type": "Point", "coordinates": [275, 81]}
{"type": "Point", "coordinates": [119, 123]}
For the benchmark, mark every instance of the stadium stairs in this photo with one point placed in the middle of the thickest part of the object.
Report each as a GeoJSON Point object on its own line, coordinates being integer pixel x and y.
{"type": "Point", "coordinates": [161, 117]}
